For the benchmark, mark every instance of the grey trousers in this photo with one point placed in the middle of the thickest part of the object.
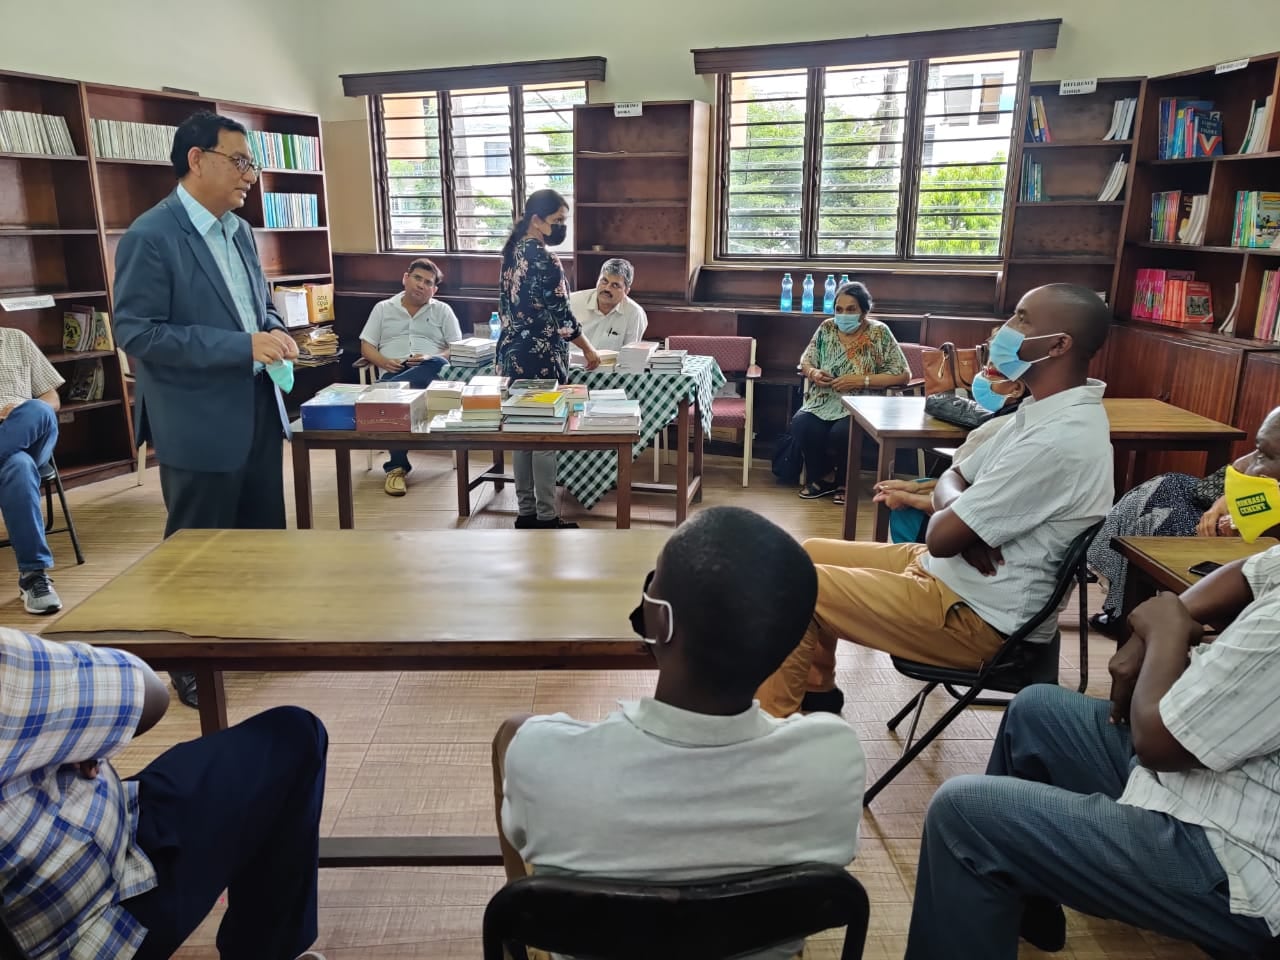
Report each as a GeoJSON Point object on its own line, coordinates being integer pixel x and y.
{"type": "Point", "coordinates": [535, 482]}
{"type": "Point", "coordinates": [1044, 823]}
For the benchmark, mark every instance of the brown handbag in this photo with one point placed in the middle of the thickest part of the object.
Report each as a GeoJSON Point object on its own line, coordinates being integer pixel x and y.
{"type": "Point", "coordinates": [950, 368]}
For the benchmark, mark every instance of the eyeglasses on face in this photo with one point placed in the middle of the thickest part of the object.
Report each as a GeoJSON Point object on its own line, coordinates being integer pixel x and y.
{"type": "Point", "coordinates": [242, 163]}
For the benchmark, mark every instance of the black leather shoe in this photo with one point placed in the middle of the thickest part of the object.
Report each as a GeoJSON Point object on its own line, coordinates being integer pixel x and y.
{"type": "Point", "coordinates": [555, 523]}
{"type": "Point", "coordinates": [185, 684]}
{"type": "Point", "coordinates": [823, 701]}
{"type": "Point", "coordinates": [529, 522]}
{"type": "Point", "coordinates": [1044, 925]}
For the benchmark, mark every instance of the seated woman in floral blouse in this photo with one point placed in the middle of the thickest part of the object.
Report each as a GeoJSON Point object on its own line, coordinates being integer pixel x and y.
{"type": "Point", "coordinates": [849, 353]}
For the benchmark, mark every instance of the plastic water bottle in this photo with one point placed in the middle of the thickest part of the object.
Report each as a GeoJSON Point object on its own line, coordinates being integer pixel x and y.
{"type": "Point", "coordinates": [806, 298]}
{"type": "Point", "coordinates": [829, 294]}
{"type": "Point", "coordinates": [844, 278]}
{"type": "Point", "coordinates": [784, 303]}
{"type": "Point", "coordinates": [495, 326]}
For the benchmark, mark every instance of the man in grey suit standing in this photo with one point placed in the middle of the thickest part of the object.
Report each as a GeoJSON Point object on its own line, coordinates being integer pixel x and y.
{"type": "Point", "coordinates": [192, 310]}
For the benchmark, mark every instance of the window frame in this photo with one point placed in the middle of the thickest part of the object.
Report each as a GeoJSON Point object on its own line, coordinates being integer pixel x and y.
{"type": "Point", "coordinates": [913, 147]}
{"type": "Point", "coordinates": [445, 137]}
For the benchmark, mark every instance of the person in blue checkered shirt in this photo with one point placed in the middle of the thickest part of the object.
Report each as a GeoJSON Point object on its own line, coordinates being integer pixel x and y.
{"type": "Point", "coordinates": [96, 867]}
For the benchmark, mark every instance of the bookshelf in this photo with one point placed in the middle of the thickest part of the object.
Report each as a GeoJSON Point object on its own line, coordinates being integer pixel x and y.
{"type": "Point", "coordinates": [62, 217]}
{"type": "Point", "coordinates": [1066, 234]}
{"type": "Point", "coordinates": [640, 192]}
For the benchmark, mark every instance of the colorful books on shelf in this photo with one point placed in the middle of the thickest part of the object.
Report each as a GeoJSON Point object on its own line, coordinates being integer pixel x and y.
{"type": "Point", "coordinates": [1122, 119]}
{"type": "Point", "coordinates": [1038, 122]}
{"type": "Point", "coordinates": [87, 381]}
{"type": "Point", "coordinates": [1178, 217]}
{"type": "Point", "coordinates": [290, 210]}
{"type": "Point", "coordinates": [285, 151]}
{"type": "Point", "coordinates": [1114, 186]}
{"type": "Point", "coordinates": [1267, 325]}
{"type": "Point", "coordinates": [1031, 189]}
{"type": "Point", "coordinates": [1255, 137]}
{"type": "Point", "coordinates": [126, 140]}
{"type": "Point", "coordinates": [23, 132]}
{"type": "Point", "coordinates": [1257, 219]}
{"type": "Point", "coordinates": [1172, 296]}
{"type": "Point", "coordinates": [1188, 128]}
{"type": "Point", "coordinates": [84, 328]}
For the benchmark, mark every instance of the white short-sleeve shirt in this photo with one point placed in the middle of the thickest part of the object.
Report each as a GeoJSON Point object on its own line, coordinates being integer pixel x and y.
{"type": "Point", "coordinates": [655, 792]}
{"type": "Point", "coordinates": [396, 334]}
{"type": "Point", "coordinates": [25, 372]}
{"type": "Point", "coordinates": [1035, 486]}
{"type": "Point", "coordinates": [625, 323]}
{"type": "Point", "coordinates": [1225, 710]}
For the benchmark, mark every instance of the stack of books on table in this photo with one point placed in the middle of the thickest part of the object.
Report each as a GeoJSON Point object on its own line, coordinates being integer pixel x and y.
{"type": "Point", "coordinates": [443, 396]}
{"type": "Point", "coordinates": [607, 416]}
{"type": "Point", "coordinates": [668, 361]}
{"type": "Point", "coordinates": [492, 380]}
{"type": "Point", "coordinates": [544, 411]}
{"type": "Point", "coordinates": [472, 352]}
{"type": "Point", "coordinates": [608, 358]}
{"type": "Point", "coordinates": [481, 409]}
{"type": "Point", "coordinates": [635, 357]}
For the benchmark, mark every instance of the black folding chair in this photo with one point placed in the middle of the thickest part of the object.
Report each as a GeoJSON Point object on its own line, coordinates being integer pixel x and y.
{"type": "Point", "coordinates": [595, 918]}
{"type": "Point", "coordinates": [51, 481]}
{"type": "Point", "coordinates": [1017, 664]}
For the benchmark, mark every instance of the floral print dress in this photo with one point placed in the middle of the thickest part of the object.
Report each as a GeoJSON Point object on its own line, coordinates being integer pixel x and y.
{"type": "Point", "coordinates": [872, 350]}
{"type": "Point", "coordinates": [533, 303]}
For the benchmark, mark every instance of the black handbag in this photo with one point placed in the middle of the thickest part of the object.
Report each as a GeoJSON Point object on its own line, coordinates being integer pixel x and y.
{"type": "Point", "coordinates": [957, 410]}
{"type": "Point", "coordinates": [787, 464]}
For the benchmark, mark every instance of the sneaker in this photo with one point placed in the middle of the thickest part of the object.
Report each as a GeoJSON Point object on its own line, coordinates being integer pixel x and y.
{"type": "Point", "coordinates": [395, 485]}
{"type": "Point", "coordinates": [38, 595]}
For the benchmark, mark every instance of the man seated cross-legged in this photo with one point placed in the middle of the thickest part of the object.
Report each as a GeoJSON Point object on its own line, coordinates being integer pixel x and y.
{"type": "Point", "coordinates": [695, 781]}
{"type": "Point", "coordinates": [95, 867]}
{"type": "Point", "coordinates": [1160, 809]}
{"type": "Point", "coordinates": [1003, 519]}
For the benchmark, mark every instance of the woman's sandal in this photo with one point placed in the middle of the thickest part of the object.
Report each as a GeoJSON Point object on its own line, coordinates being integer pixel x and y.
{"type": "Point", "coordinates": [814, 491]}
{"type": "Point", "coordinates": [838, 499]}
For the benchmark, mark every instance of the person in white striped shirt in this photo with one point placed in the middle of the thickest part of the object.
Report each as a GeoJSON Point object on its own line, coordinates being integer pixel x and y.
{"type": "Point", "coordinates": [1160, 808]}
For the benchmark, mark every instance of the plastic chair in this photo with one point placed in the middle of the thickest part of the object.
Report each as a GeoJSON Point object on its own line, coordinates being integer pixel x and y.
{"type": "Point", "coordinates": [1017, 664]}
{"type": "Point", "coordinates": [595, 918]}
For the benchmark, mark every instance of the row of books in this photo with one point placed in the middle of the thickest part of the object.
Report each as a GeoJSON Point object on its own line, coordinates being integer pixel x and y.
{"type": "Point", "coordinates": [88, 381]}
{"type": "Point", "coordinates": [285, 151]}
{"type": "Point", "coordinates": [1178, 217]}
{"type": "Point", "coordinates": [290, 210]}
{"type": "Point", "coordinates": [1172, 296]}
{"type": "Point", "coordinates": [85, 329]}
{"type": "Point", "coordinates": [486, 405]}
{"type": "Point", "coordinates": [1189, 128]}
{"type": "Point", "coordinates": [1257, 219]}
{"type": "Point", "coordinates": [1114, 185]}
{"type": "Point", "coordinates": [1031, 189]}
{"type": "Point", "coordinates": [23, 132]}
{"type": "Point", "coordinates": [1267, 326]}
{"type": "Point", "coordinates": [1038, 122]}
{"type": "Point", "coordinates": [1255, 137]}
{"type": "Point", "coordinates": [127, 140]}
{"type": "Point", "coordinates": [1122, 112]}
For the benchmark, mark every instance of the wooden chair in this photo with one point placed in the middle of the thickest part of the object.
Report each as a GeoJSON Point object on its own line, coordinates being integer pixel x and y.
{"type": "Point", "coordinates": [51, 483]}
{"type": "Point", "coordinates": [737, 359]}
{"type": "Point", "coordinates": [1017, 664]}
{"type": "Point", "coordinates": [130, 398]}
{"type": "Point", "coordinates": [593, 918]}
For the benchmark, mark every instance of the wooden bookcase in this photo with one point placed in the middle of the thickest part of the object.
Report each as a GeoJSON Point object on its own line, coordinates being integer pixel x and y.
{"type": "Point", "coordinates": [1070, 236]}
{"type": "Point", "coordinates": [61, 220]}
{"type": "Point", "coordinates": [640, 192]}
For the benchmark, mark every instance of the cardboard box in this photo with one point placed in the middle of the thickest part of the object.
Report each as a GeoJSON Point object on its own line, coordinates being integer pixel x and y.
{"type": "Point", "coordinates": [291, 302]}
{"type": "Point", "coordinates": [392, 408]}
{"type": "Point", "coordinates": [333, 408]}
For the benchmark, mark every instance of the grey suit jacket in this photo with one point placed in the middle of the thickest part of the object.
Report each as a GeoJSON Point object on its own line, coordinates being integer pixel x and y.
{"type": "Point", "coordinates": [176, 319]}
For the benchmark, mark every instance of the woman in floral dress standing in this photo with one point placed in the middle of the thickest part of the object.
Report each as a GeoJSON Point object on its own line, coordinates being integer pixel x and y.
{"type": "Point", "coordinates": [537, 328]}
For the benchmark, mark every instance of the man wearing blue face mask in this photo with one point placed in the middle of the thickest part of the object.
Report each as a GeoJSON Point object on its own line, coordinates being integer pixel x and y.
{"type": "Point", "coordinates": [695, 781]}
{"type": "Point", "coordinates": [1002, 519]}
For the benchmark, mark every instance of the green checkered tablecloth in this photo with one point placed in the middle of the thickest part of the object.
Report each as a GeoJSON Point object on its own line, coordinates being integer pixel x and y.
{"type": "Point", "coordinates": [590, 474]}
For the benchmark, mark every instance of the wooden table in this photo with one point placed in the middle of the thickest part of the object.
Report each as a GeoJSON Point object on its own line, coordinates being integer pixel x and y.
{"type": "Point", "coordinates": [1163, 563]}
{"type": "Point", "coordinates": [342, 442]}
{"type": "Point", "coordinates": [1139, 427]}
{"type": "Point", "coordinates": [288, 600]}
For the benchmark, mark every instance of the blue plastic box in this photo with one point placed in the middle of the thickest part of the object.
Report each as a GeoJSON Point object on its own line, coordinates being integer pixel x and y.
{"type": "Point", "coordinates": [333, 408]}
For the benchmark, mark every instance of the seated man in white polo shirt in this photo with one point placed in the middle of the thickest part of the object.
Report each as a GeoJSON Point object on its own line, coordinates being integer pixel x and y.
{"type": "Point", "coordinates": [407, 337]}
{"type": "Point", "coordinates": [1158, 809]}
{"type": "Point", "coordinates": [1003, 519]}
{"type": "Point", "coordinates": [695, 781]}
{"type": "Point", "coordinates": [610, 319]}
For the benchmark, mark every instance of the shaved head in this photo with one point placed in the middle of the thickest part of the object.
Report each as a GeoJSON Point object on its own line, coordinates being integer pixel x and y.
{"type": "Point", "coordinates": [1071, 309]}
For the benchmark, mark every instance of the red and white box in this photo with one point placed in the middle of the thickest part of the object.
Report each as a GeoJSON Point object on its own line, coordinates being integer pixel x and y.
{"type": "Point", "coordinates": [392, 408]}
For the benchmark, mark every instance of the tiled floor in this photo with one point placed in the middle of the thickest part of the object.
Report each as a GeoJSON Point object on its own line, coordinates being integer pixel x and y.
{"type": "Point", "coordinates": [410, 751]}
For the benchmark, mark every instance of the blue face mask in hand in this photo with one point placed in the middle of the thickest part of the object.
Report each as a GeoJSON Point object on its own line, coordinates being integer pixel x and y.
{"type": "Point", "coordinates": [847, 322]}
{"type": "Point", "coordinates": [985, 396]}
{"type": "Point", "coordinates": [281, 374]}
{"type": "Point", "coordinates": [1003, 352]}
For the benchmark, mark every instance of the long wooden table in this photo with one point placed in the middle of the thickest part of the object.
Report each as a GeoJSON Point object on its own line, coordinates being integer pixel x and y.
{"type": "Point", "coordinates": [289, 600]}
{"type": "Point", "coordinates": [342, 442]}
{"type": "Point", "coordinates": [1139, 427]}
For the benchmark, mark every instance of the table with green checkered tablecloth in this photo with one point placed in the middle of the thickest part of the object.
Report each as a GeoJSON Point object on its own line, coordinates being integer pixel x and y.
{"type": "Point", "coordinates": [590, 474]}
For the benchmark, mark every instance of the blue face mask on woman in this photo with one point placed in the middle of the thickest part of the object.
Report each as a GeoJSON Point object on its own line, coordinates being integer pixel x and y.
{"type": "Point", "coordinates": [985, 395]}
{"type": "Point", "coordinates": [1003, 352]}
{"type": "Point", "coordinates": [847, 322]}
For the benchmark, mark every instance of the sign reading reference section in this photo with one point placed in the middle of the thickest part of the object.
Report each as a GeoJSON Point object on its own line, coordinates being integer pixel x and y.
{"type": "Point", "coordinates": [1231, 65]}
{"type": "Point", "coordinates": [628, 108]}
{"type": "Point", "coordinates": [1069, 88]}
{"type": "Point", "coordinates": [11, 304]}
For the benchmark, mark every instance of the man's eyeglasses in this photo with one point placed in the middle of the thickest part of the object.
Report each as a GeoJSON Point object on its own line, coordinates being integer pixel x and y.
{"type": "Point", "coordinates": [242, 164]}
